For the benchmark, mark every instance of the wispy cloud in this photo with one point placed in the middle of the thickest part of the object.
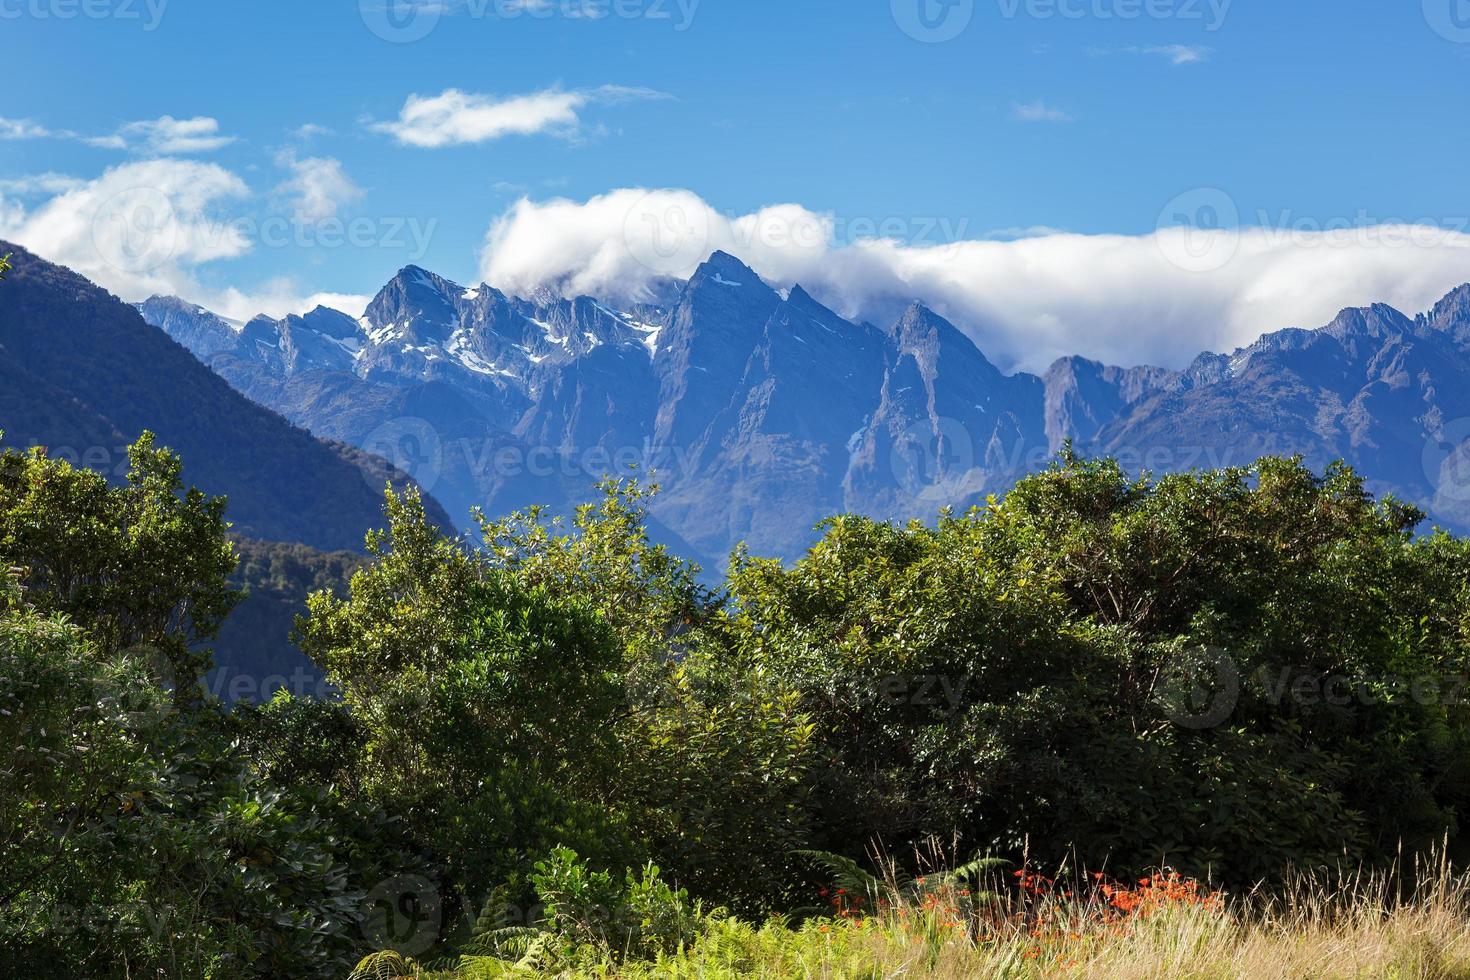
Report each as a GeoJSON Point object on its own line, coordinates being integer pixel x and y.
{"type": "Point", "coordinates": [1179, 54]}
{"type": "Point", "coordinates": [1039, 111]}
{"type": "Point", "coordinates": [455, 117]}
{"type": "Point", "coordinates": [23, 129]}
{"type": "Point", "coordinates": [1016, 234]}
{"type": "Point", "coordinates": [501, 8]}
{"type": "Point", "coordinates": [46, 183]}
{"type": "Point", "coordinates": [139, 228]}
{"type": "Point", "coordinates": [164, 136]}
{"type": "Point", "coordinates": [1175, 54]}
{"type": "Point", "coordinates": [148, 226]}
{"type": "Point", "coordinates": [310, 131]}
{"type": "Point", "coordinates": [167, 136]}
{"type": "Point", "coordinates": [318, 187]}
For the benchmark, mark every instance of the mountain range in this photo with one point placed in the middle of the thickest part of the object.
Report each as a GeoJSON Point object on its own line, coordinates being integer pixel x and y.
{"type": "Point", "coordinates": [761, 411]}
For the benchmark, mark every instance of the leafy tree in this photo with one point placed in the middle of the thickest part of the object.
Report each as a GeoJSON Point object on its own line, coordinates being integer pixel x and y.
{"type": "Point", "coordinates": [488, 707]}
{"type": "Point", "coordinates": [559, 683]}
{"type": "Point", "coordinates": [143, 565]}
{"type": "Point", "coordinates": [649, 596]}
{"type": "Point", "coordinates": [137, 839]}
{"type": "Point", "coordinates": [75, 759]}
{"type": "Point", "coordinates": [713, 762]}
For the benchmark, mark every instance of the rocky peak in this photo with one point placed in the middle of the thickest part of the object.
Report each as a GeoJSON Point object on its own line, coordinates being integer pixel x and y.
{"type": "Point", "coordinates": [1451, 314]}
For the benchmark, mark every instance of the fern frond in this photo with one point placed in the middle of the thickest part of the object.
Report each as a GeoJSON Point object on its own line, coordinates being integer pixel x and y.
{"type": "Point", "coordinates": [973, 870]}
{"type": "Point", "coordinates": [846, 873]}
{"type": "Point", "coordinates": [535, 956]}
{"type": "Point", "coordinates": [386, 965]}
{"type": "Point", "coordinates": [485, 968]}
{"type": "Point", "coordinates": [507, 940]}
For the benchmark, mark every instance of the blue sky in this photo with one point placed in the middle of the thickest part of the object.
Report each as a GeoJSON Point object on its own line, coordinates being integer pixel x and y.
{"type": "Point", "coordinates": [1084, 116]}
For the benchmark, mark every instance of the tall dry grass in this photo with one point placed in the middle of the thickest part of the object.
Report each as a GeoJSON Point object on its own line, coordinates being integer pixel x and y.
{"type": "Point", "coordinates": [1400, 924]}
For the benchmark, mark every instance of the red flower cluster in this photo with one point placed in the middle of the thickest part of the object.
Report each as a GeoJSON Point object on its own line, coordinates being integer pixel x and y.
{"type": "Point", "coordinates": [1034, 883]}
{"type": "Point", "coordinates": [1156, 893]}
{"type": "Point", "coordinates": [1107, 904]}
{"type": "Point", "coordinates": [844, 906]}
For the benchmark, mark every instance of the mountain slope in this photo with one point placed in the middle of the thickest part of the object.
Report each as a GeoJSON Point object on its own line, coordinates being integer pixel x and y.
{"type": "Point", "coordinates": [769, 464]}
{"type": "Point", "coordinates": [89, 371]}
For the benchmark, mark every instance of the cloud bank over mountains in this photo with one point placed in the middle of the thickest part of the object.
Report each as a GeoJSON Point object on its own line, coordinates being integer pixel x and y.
{"type": "Point", "coordinates": [1156, 298]}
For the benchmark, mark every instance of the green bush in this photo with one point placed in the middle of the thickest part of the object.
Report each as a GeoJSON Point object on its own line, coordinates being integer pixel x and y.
{"type": "Point", "coordinates": [1038, 673]}
{"type": "Point", "coordinates": [635, 916]}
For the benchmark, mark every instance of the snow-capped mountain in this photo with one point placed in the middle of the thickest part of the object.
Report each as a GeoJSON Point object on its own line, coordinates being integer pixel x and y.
{"type": "Point", "coordinates": [761, 411]}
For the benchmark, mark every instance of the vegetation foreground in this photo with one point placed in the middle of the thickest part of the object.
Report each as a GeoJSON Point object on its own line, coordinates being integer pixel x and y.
{"type": "Point", "coordinates": [1159, 928]}
{"type": "Point", "coordinates": [1229, 706]}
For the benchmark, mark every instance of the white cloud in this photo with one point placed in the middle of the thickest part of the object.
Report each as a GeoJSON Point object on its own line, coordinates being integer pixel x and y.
{"type": "Point", "coordinates": [147, 227]}
{"type": "Point", "coordinates": [46, 183]}
{"type": "Point", "coordinates": [1175, 54]}
{"type": "Point", "coordinates": [1117, 298]}
{"type": "Point", "coordinates": [318, 187]}
{"type": "Point", "coordinates": [310, 131]}
{"type": "Point", "coordinates": [138, 229]}
{"type": "Point", "coordinates": [275, 298]}
{"type": "Point", "coordinates": [22, 129]}
{"type": "Point", "coordinates": [571, 9]}
{"type": "Point", "coordinates": [167, 136]}
{"type": "Point", "coordinates": [352, 304]}
{"type": "Point", "coordinates": [1179, 54]}
{"type": "Point", "coordinates": [1039, 111]}
{"type": "Point", "coordinates": [454, 117]}
{"type": "Point", "coordinates": [110, 142]}
{"type": "Point", "coordinates": [164, 136]}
